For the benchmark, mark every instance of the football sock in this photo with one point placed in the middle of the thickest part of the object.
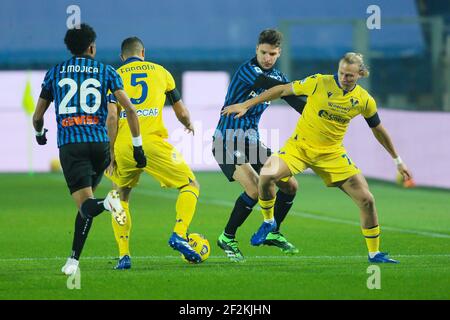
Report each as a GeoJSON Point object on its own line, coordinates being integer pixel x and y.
{"type": "Point", "coordinates": [282, 206]}
{"type": "Point", "coordinates": [372, 236]}
{"type": "Point", "coordinates": [82, 227]}
{"type": "Point", "coordinates": [185, 209]}
{"type": "Point", "coordinates": [92, 208]}
{"type": "Point", "coordinates": [242, 208]}
{"type": "Point", "coordinates": [267, 208]}
{"type": "Point", "coordinates": [122, 233]}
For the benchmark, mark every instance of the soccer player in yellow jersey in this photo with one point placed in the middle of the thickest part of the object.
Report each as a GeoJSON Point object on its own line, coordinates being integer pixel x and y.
{"type": "Point", "coordinates": [333, 101]}
{"type": "Point", "coordinates": [148, 84]}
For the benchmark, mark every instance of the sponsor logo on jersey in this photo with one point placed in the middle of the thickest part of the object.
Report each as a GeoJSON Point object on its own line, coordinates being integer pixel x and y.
{"type": "Point", "coordinates": [152, 112]}
{"type": "Point", "coordinates": [333, 117]}
{"type": "Point", "coordinates": [79, 120]}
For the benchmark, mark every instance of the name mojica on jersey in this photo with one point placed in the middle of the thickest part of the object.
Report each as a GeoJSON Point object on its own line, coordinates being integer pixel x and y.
{"type": "Point", "coordinates": [77, 68]}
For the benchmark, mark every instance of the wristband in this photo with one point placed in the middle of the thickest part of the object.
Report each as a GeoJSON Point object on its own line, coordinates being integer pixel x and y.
{"type": "Point", "coordinates": [137, 141]}
{"type": "Point", "coordinates": [39, 133]}
{"type": "Point", "coordinates": [398, 160]}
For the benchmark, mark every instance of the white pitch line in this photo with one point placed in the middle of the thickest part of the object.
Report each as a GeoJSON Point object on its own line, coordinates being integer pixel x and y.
{"type": "Point", "coordinates": [297, 257]}
{"type": "Point", "coordinates": [230, 204]}
{"type": "Point", "coordinates": [225, 203]}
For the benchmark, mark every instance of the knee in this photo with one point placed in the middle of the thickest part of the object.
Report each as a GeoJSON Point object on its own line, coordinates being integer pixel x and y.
{"type": "Point", "coordinates": [267, 179]}
{"type": "Point", "coordinates": [291, 187]}
{"type": "Point", "coordinates": [367, 200]}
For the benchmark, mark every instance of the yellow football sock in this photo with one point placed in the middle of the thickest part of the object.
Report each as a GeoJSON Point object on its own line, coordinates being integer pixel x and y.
{"type": "Point", "coordinates": [185, 208]}
{"type": "Point", "coordinates": [267, 208]}
{"type": "Point", "coordinates": [122, 233]}
{"type": "Point", "coordinates": [372, 236]}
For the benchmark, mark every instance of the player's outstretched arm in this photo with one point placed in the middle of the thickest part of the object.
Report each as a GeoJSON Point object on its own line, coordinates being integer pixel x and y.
{"type": "Point", "coordinates": [38, 120]}
{"type": "Point", "coordinates": [385, 140]}
{"type": "Point", "coordinates": [273, 93]}
{"type": "Point", "coordinates": [183, 115]}
{"type": "Point", "coordinates": [133, 122]}
{"type": "Point", "coordinates": [264, 82]}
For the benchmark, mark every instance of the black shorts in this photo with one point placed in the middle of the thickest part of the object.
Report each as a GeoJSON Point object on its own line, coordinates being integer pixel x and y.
{"type": "Point", "coordinates": [230, 153]}
{"type": "Point", "coordinates": [83, 164]}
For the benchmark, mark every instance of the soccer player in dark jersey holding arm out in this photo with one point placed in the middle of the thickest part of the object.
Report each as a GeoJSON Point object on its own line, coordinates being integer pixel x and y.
{"type": "Point", "coordinates": [240, 153]}
{"type": "Point", "coordinates": [79, 88]}
{"type": "Point", "coordinates": [333, 101]}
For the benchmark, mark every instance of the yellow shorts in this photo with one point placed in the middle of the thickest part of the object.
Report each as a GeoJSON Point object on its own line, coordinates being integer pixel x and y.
{"type": "Point", "coordinates": [332, 166]}
{"type": "Point", "coordinates": [164, 163]}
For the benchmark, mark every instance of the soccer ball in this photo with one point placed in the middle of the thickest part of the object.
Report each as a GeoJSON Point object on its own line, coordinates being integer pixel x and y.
{"type": "Point", "coordinates": [200, 244]}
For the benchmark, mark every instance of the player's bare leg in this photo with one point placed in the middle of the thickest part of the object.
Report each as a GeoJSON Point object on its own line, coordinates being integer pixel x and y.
{"type": "Point", "coordinates": [248, 178]}
{"type": "Point", "coordinates": [357, 188]}
{"type": "Point", "coordinates": [274, 170]}
{"type": "Point", "coordinates": [88, 208]}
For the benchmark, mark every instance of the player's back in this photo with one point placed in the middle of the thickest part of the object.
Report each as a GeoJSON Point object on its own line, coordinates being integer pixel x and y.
{"type": "Point", "coordinates": [146, 84]}
{"type": "Point", "coordinates": [79, 88]}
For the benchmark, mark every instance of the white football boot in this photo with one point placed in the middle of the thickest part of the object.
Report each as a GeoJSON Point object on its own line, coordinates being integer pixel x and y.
{"type": "Point", "coordinates": [112, 204]}
{"type": "Point", "coordinates": [70, 267]}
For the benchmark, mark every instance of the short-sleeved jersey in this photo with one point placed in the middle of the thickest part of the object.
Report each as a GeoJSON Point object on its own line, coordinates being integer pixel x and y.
{"type": "Point", "coordinates": [146, 84]}
{"type": "Point", "coordinates": [329, 110]}
{"type": "Point", "coordinates": [241, 88]}
{"type": "Point", "coordinates": [79, 88]}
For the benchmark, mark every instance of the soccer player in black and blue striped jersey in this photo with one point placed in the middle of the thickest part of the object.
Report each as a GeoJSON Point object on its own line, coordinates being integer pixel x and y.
{"type": "Point", "coordinates": [79, 88]}
{"type": "Point", "coordinates": [240, 153]}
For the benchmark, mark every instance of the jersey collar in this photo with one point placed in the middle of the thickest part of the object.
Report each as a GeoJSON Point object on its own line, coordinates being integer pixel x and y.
{"type": "Point", "coordinates": [255, 61]}
{"type": "Point", "coordinates": [132, 59]}
{"type": "Point", "coordinates": [337, 83]}
{"type": "Point", "coordinates": [85, 56]}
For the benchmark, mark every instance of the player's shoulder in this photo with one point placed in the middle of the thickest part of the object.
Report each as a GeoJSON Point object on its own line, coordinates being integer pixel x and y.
{"type": "Point", "coordinates": [313, 77]}
{"type": "Point", "coordinates": [363, 93]}
{"type": "Point", "coordinates": [157, 67]}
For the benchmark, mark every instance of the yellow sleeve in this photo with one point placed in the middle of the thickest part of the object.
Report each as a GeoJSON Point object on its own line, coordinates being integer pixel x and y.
{"type": "Point", "coordinates": [170, 81]}
{"type": "Point", "coordinates": [305, 87]}
{"type": "Point", "coordinates": [370, 109]}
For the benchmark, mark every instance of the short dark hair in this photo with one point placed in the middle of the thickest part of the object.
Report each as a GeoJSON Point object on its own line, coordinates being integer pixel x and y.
{"type": "Point", "coordinates": [79, 39]}
{"type": "Point", "coordinates": [131, 45]}
{"type": "Point", "coordinates": [270, 36]}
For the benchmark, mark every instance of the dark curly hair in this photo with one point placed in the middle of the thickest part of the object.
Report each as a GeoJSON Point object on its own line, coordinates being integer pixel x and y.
{"type": "Point", "coordinates": [270, 36]}
{"type": "Point", "coordinates": [79, 39]}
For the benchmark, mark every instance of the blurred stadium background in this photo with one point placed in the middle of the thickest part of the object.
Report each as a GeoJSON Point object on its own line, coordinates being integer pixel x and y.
{"type": "Point", "coordinates": [204, 42]}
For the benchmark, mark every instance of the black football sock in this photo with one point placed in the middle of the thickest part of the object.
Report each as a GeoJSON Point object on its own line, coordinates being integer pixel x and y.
{"type": "Point", "coordinates": [92, 208]}
{"type": "Point", "coordinates": [82, 227]}
{"type": "Point", "coordinates": [242, 208]}
{"type": "Point", "coordinates": [283, 204]}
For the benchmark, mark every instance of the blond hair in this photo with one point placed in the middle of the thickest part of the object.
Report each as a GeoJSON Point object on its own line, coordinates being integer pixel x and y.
{"type": "Point", "coordinates": [356, 58]}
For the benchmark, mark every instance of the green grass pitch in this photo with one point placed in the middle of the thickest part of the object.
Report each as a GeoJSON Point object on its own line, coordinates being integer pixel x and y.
{"type": "Point", "coordinates": [37, 217]}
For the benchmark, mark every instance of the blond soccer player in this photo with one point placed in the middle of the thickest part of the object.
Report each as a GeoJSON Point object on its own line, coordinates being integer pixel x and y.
{"type": "Point", "coordinates": [148, 85]}
{"type": "Point", "coordinates": [333, 101]}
